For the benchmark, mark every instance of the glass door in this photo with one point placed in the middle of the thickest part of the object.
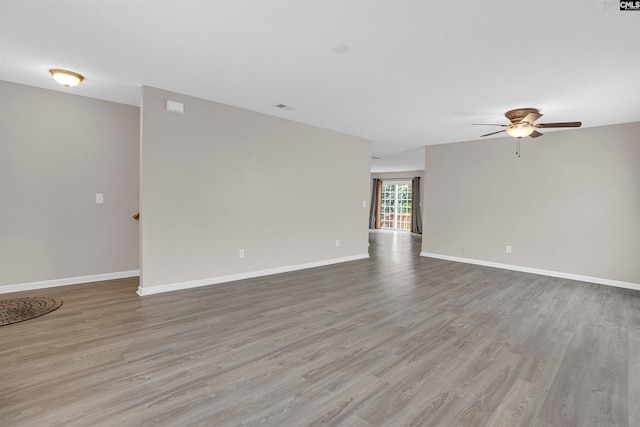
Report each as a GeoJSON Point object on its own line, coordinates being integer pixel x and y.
{"type": "Point", "coordinates": [395, 205]}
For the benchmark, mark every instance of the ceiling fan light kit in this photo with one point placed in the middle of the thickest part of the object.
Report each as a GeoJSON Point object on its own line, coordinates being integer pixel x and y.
{"type": "Point", "coordinates": [522, 124]}
{"type": "Point", "coordinates": [520, 130]}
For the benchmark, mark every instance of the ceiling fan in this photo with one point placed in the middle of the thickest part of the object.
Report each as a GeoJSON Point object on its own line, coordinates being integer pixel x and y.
{"type": "Point", "coordinates": [522, 124]}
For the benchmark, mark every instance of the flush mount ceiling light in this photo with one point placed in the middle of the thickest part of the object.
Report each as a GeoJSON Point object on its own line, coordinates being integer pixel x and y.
{"type": "Point", "coordinates": [66, 78]}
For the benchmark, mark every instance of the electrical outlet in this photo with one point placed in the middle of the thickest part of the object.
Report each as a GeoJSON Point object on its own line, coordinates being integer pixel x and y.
{"type": "Point", "coordinates": [99, 198]}
{"type": "Point", "coordinates": [508, 249]}
{"type": "Point", "coordinates": [241, 253]}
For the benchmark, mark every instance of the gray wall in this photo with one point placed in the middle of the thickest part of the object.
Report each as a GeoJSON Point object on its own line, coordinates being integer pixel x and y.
{"type": "Point", "coordinates": [218, 179]}
{"type": "Point", "coordinates": [57, 151]}
{"type": "Point", "coordinates": [570, 204]}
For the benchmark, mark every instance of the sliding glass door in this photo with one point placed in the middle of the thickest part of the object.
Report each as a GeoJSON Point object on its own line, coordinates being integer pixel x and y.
{"type": "Point", "coordinates": [395, 205]}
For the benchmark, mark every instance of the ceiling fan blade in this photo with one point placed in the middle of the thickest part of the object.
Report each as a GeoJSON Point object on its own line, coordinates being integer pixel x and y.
{"type": "Point", "coordinates": [493, 133]}
{"type": "Point", "coordinates": [559, 125]}
{"type": "Point", "coordinates": [535, 134]}
{"type": "Point", "coordinates": [489, 124]}
{"type": "Point", "coordinates": [531, 117]}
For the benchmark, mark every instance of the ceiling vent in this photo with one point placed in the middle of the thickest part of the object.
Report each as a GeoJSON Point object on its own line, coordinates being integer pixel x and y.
{"type": "Point", "coordinates": [284, 107]}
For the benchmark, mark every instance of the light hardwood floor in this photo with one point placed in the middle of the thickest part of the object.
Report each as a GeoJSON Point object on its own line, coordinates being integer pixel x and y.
{"type": "Point", "coordinates": [391, 341]}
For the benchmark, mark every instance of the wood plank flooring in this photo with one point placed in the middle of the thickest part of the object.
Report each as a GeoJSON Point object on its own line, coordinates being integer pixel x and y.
{"type": "Point", "coordinates": [396, 340]}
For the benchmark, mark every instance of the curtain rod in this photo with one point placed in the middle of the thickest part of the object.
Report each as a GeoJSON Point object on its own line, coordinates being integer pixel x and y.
{"type": "Point", "coordinates": [397, 179]}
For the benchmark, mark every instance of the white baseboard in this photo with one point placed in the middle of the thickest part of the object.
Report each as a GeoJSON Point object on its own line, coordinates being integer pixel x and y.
{"type": "Point", "coordinates": [5, 289]}
{"type": "Point", "coordinates": [578, 277]}
{"type": "Point", "coordinates": [142, 291]}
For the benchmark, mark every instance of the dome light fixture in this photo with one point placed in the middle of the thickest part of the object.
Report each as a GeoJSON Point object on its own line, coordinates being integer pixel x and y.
{"type": "Point", "coordinates": [520, 130]}
{"type": "Point", "coordinates": [66, 78]}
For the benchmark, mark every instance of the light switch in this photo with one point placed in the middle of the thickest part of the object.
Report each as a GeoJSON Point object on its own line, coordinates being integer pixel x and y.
{"type": "Point", "coordinates": [99, 198]}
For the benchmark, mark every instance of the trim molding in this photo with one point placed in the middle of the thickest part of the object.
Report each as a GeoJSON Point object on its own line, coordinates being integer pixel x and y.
{"type": "Point", "coordinates": [578, 277]}
{"type": "Point", "coordinates": [142, 291]}
{"type": "Point", "coordinates": [5, 289]}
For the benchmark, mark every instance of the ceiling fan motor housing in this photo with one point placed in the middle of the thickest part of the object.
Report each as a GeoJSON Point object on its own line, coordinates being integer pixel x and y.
{"type": "Point", "coordinates": [518, 114]}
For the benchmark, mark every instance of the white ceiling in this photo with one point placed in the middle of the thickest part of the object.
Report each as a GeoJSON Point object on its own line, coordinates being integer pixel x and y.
{"type": "Point", "coordinates": [417, 73]}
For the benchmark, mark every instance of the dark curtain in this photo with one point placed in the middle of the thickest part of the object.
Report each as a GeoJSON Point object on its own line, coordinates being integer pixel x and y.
{"type": "Point", "coordinates": [374, 203]}
{"type": "Point", "coordinates": [416, 226]}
